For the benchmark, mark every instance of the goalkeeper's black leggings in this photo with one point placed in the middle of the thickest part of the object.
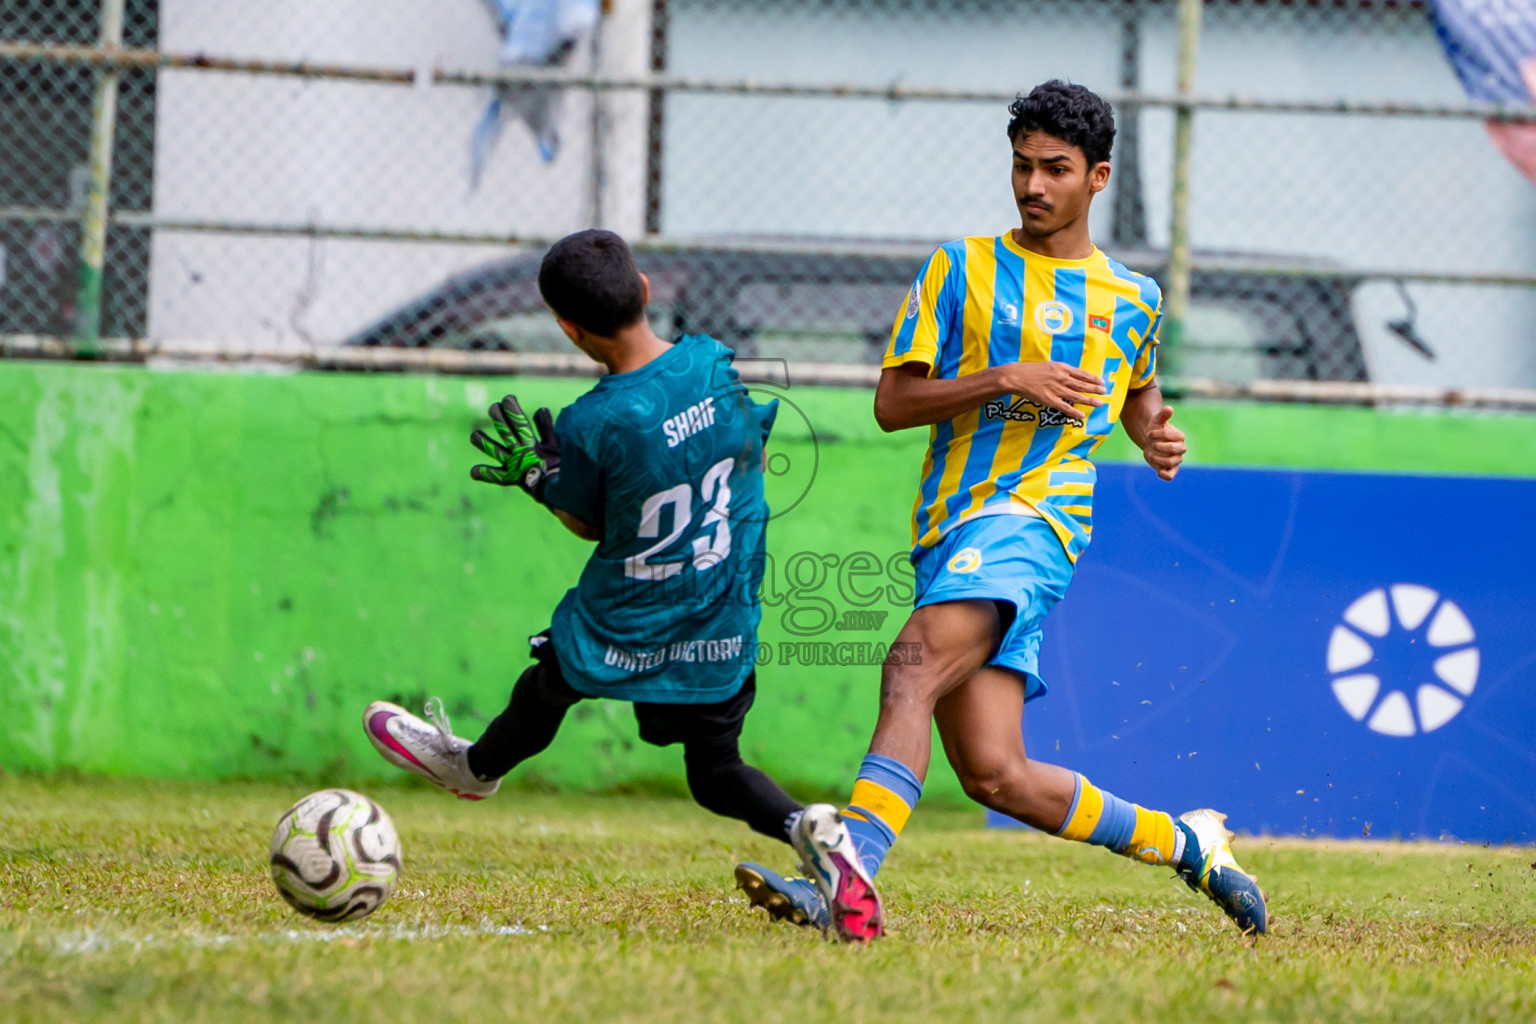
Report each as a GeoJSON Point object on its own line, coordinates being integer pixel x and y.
{"type": "Point", "coordinates": [717, 777]}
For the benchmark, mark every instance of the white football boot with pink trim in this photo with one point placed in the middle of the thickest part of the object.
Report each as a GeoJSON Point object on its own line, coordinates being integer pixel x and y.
{"type": "Point", "coordinates": [428, 748]}
{"type": "Point", "coordinates": [829, 859]}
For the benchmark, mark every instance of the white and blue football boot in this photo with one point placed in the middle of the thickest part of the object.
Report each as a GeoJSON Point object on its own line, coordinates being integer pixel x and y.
{"type": "Point", "coordinates": [1214, 871]}
{"type": "Point", "coordinates": [795, 900]}
{"type": "Point", "coordinates": [828, 858]}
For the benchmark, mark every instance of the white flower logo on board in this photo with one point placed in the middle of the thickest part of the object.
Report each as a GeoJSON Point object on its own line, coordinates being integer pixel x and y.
{"type": "Point", "coordinates": [1403, 706]}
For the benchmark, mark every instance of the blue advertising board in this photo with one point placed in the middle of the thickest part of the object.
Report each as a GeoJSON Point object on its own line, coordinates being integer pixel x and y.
{"type": "Point", "coordinates": [1315, 653]}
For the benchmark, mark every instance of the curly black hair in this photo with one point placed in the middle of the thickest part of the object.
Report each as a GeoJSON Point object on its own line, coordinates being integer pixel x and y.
{"type": "Point", "coordinates": [1072, 113]}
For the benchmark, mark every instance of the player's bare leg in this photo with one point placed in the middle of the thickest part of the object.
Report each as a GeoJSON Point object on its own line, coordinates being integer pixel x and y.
{"type": "Point", "coordinates": [978, 724]}
{"type": "Point", "coordinates": [841, 852]}
{"type": "Point", "coordinates": [953, 639]}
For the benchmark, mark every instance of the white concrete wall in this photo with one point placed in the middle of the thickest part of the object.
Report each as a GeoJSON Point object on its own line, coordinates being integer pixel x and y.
{"type": "Point", "coordinates": [278, 150]}
{"type": "Point", "coordinates": [1410, 193]}
{"type": "Point", "coordinates": [1360, 192]}
{"type": "Point", "coordinates": [862, 168]}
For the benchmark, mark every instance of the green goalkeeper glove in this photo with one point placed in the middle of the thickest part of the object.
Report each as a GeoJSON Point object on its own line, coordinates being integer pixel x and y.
{"type": "Point", "coordinates": [528, 455]}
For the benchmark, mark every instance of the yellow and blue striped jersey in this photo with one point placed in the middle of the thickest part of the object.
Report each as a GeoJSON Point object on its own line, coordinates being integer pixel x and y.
{"type": "Point", "coordinates": [985, 301]}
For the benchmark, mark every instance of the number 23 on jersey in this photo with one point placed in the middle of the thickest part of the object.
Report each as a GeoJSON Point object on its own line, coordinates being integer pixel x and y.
{"type": "Point", "coordinates": [709, 550]}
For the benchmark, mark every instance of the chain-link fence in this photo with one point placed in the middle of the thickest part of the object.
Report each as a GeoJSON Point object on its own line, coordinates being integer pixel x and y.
{"type": "Point", "coordinates": [300, 176]}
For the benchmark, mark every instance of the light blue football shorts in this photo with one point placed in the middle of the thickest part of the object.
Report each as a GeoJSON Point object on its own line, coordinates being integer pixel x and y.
{"type": "Point", "coordinates": [1009, 558]}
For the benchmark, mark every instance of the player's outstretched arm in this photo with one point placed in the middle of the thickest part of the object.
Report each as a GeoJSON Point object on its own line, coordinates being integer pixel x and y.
{"type": "Point", "coordinates": [907, 397]}
{"type": "Point", "coordinates": [528, 455]}
{"type": "Point", "coordinates": [1146, 420]}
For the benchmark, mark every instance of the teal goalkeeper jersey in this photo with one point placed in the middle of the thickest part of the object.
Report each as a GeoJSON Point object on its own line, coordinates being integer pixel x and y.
{"type": "Point", "coordinates": [667, 462]}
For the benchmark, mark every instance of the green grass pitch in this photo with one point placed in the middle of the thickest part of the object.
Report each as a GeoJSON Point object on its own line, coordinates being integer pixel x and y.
{"type": "Point", "coordinates": [132, 901]}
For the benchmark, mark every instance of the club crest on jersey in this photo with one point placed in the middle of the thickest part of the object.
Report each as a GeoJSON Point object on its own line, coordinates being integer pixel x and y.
{"type": "Point", "coordinates": [965, 560]}
{"type": "Point", "coordinates": [1053, 317]}
{"type": "Point", "coordinates": [913, 299]}
{"type": "Point", "coordinates": [1025, 411]}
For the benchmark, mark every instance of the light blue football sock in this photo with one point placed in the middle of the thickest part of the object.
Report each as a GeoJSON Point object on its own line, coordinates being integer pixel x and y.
{"type": "Point", "coordinates": [883, 798]}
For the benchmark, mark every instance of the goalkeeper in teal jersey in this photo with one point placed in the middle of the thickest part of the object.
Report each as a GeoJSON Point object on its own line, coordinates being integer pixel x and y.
{"type": "Point", "coordinates": [661, 464]}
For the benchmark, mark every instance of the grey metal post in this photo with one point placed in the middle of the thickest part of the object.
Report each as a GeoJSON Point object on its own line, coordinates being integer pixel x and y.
{"type": "Point", "coordinates": [1129, 229]}
{"type": "Point", "coordinates": [599, 170]}
{"type": "Point", "coordinates": [93, 218]}
{"type": "Point", "coordinates": [1176, 299]}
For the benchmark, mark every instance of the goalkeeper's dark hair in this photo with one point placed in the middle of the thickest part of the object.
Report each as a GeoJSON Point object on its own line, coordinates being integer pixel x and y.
{"type": "Point", "coordinates": [1071, 113]}
{"type": "Point", "coordinates": [590, 279]}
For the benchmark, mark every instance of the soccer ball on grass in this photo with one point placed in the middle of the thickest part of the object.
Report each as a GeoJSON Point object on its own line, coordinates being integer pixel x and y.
{"type": "Point", "coordinates": [335, 855]}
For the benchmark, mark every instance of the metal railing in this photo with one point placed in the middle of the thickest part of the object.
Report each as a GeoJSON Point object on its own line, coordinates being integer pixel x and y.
{"type": "Point", "coordinates": [422, 77]}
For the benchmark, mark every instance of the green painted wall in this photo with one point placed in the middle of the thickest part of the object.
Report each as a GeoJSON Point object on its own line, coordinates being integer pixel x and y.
{"type": "Point", "coordinates": [211, 574]}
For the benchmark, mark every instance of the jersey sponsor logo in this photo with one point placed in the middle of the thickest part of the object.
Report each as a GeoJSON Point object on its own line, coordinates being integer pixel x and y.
{"type": "Point", "coordinates": [965, 560]}
{"type": "Point", "coordinates": [1010, 317]}
{"type": "Point", "coordinates": [690, 421]}
{"type": "Point", "coordinates": [1053, 317]}
{"type": "Point", "coordinates": [1099, 323]}
{"type": "Point", "coordinates": [1381, 631]}
{"type": "Point", "coordinates": [913, 300]}
{"type": "Point", "coordinates": [1025, 411]}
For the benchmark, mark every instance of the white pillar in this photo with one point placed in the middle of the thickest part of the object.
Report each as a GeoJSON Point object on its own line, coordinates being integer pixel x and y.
{"type": "Point", "coordinates": [624, 51]}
